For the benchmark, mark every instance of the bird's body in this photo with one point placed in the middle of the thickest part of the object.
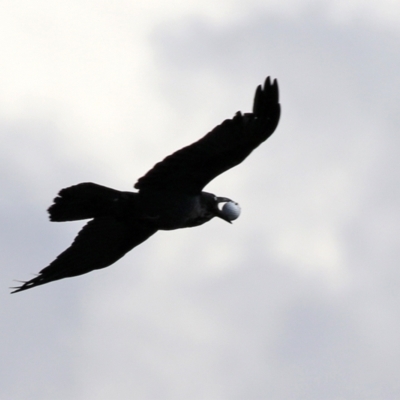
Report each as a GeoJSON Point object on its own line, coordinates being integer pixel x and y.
{"type": "Point", "coordinates": [169, 196]}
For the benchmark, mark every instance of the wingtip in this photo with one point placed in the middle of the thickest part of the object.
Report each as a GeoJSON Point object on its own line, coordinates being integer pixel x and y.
{"type": "Point", "coordinates": [275, 88]}
{"type": "Point", "coordinates": [268, 93]}
{"type": "Point", "coordinates": [16, 289]}
{"type": "Point", "coordinates": [267, 82]}
{"type": "Point", "coordinates": [27, 284]}
{"type": "Point", "coordinates": [272, 87]}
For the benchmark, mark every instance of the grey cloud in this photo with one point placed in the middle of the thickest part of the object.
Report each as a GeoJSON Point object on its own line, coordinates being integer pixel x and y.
{"type": "Point", "coordinates": [272, 324]}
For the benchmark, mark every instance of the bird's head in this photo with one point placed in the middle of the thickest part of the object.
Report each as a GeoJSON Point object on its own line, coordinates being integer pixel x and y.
{"type": "Point", "coordinates": [221, 207]}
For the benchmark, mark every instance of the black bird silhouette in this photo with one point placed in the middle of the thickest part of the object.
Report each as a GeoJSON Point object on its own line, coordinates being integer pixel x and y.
{"type": "Point", "coordinates": [169, 196]}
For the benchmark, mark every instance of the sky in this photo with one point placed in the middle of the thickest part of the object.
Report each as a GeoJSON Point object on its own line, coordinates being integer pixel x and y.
{"type": "Point", "coordinates": [297, 299]}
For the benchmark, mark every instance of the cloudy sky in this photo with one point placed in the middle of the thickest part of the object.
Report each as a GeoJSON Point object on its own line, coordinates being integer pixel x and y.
{"type": "Point", "coordinates": [300, 297]}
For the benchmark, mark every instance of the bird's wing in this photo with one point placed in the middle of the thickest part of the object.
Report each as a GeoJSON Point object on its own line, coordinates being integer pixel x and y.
{"type": "Point", "coordinates": [100, 243]}
{"type": "Point", "coordinates": [193, 167]}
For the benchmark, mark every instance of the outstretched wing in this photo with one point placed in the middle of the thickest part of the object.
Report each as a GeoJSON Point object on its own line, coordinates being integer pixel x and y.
{"type": "Point", "coordinates": [190, 169]}
{"type": "Point", "coordinates": [100, 243]}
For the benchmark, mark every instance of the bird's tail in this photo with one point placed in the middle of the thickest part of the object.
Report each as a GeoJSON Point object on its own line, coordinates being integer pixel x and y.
{"type": "Point", "coordinates": [83, 201]}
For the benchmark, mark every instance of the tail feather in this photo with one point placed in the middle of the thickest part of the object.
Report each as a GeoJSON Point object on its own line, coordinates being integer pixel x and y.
{"type": "Point", "coordinates": [84, 201]}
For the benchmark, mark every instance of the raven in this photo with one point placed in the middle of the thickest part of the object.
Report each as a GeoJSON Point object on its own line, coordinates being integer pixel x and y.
{"type": "Point", "coordinates": [169, 196]}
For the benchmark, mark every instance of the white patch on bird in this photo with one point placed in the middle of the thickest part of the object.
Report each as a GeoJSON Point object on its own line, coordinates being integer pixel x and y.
{"type": "Point", "coordinates": [231, 210]}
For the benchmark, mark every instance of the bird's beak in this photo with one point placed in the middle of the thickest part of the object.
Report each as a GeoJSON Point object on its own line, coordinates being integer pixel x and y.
{"type": "Point", "coordinates": [218, 212]}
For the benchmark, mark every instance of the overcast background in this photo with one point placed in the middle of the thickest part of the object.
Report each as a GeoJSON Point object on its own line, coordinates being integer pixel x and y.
{"type": "Point", "coordinates": [300, 297]}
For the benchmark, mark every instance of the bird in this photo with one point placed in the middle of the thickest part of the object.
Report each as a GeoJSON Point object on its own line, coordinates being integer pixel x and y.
{"type": "Point", "coordinates": [169, 196]}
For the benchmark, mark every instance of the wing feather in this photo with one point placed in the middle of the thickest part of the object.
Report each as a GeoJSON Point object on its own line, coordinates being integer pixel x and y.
{"type": "Point", "coordinates": [191, 168]}
{"type": "Point", "coordinates": [100, 243]}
